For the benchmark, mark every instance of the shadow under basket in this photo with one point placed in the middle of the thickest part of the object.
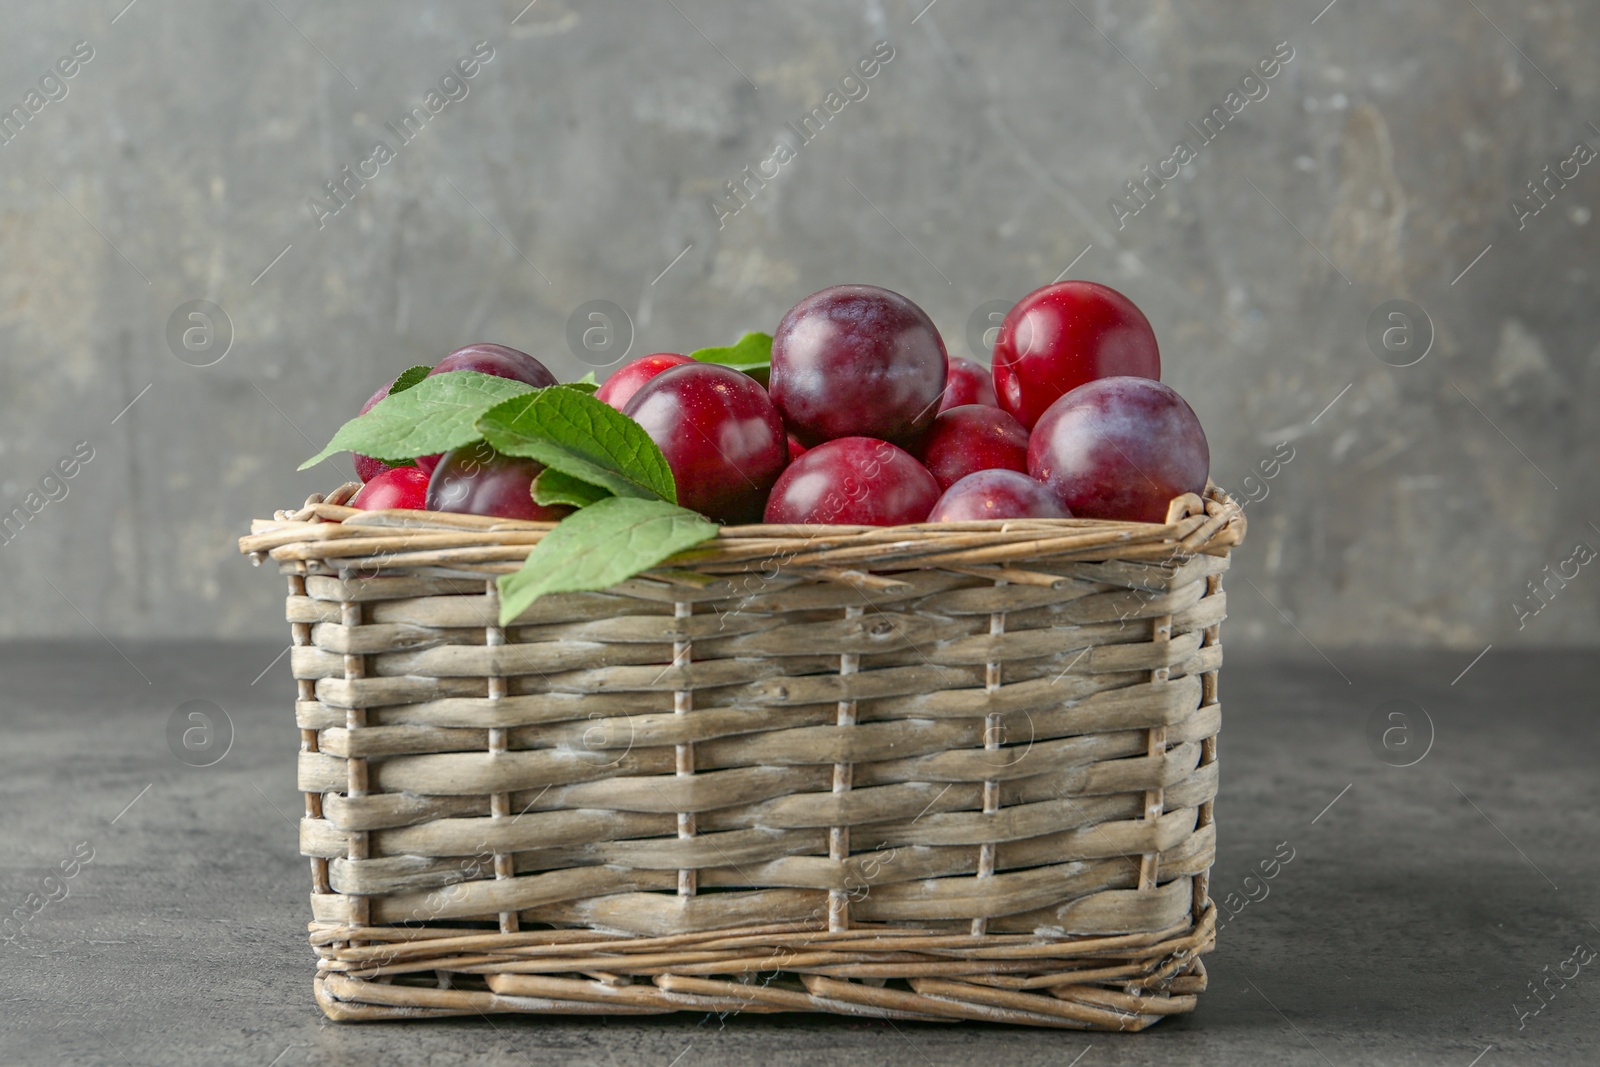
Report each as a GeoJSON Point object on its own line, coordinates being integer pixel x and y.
{"type": "Point", "coordinates": [938, 772]}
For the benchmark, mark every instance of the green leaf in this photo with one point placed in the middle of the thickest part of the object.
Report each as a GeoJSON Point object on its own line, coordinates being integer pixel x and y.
{"type": "Point", "coordinates": [750, 349]}
{"type": "Point", "coordinates": [752, 354]}
{"type": "Point", "coordinates": [409, 377]}
{"type": "Point", "coordinates": [603, 544]}
{"type": "Point", "coordinates": [554, 487]}
{"type": "Point", "coordinates": [434, 415]}
{"type": "Point", "coordinates": [574, 433]}
{"type": "Point", "coordinates": [586, 384]}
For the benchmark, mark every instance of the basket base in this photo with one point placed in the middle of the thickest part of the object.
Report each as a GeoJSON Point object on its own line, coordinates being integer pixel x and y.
{"type": "Point", "coordinates": [345, 999]}
{"type": "Point", "coordinates": [1122, 984]}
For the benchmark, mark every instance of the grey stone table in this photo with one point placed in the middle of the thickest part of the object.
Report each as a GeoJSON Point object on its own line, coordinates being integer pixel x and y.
{"type": "Point", "coordinates": [1421, 905]}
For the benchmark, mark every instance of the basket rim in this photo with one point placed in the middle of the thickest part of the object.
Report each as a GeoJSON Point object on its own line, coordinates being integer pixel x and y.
{"type": "Point", "coordinates": [326, 530]}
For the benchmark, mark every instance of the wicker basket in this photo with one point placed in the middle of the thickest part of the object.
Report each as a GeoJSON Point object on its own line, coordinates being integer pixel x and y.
{"type": "Point", "coordinates": [941, 772]}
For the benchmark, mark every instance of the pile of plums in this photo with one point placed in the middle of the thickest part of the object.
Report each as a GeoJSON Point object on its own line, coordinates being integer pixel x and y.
{"type": "Point", "coordinates": [867, 420]}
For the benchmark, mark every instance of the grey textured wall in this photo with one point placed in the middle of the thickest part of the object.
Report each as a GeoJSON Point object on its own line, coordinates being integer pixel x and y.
{"type": "Point", "coordinates": [1380, 164]}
